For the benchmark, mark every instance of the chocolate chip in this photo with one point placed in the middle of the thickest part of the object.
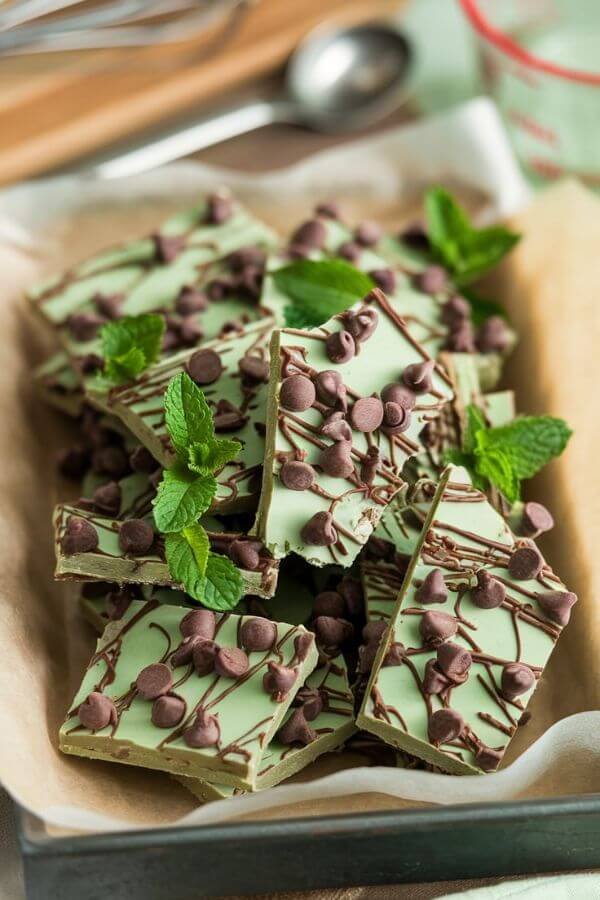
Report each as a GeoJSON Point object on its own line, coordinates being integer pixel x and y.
{"type": "Point", "coordinates": [361, 324]}
{"type": "Point", "coordinates": [118, 601]}
{"type": "Point", "coordinates": [97, 711]}
{"type": "Point", "coordinates": [167, 248]}
{"type": "Point", "coordinates": [279, 680]}
{"type": "Point", "coordinates": [245, 554]}
{"type": "Point", "coordinates": [141, 460]}
{"type": "Point", "coordinates": [219, 288]}
{"type": "Point", "coordinates": [199, 623]}
{"type": "Point", "coordinates": [433, 588]}
{"type": "Point", "coordinates": [340, 347]}
{"type": "Point", "coordinates": [329, 603]}
{"type": "Point", "coordinates": [445, 725]}
{"type": "Point", "coordinates": [136, 536]}
{"type": "Point", "coordinates": [231, 662]}
{"type": "Point", "coordinates": [385, 279]}
{"type": "Point", "coordinates": [108, 305]}
{"type": "Point", "coordinates": [332, 632]}
{"type": "Point", "coordinates": [455, 311]}
{"type": "Point", "coordinates": [419, 376]}
{"type": "Point", "coordinates": [171, 340]}
{"type": "Point", "coordinates": [299, 251]}
{"type": "Point", "coordinates": [110, 461]}
{"type": "Point", "coordinates": [432, 280]}
{"type": "Point", "coordinates": [228, 417]}
{"type": "Point", "coordinates": [219, 209]}
{"type": "Point", "coordinates": [415, 236]}
{"type": "Point", "coordinates": [366, 414]}
{"type": "Point", "coordinates": [366, 657]}
{"type": "Point", "coordinates": [399, 394]}
{"type": "Point", "coordinates": [253, 370]}
{"type": "Point", "coordinates": [310, 234]}
{"type": "Point", "coordinates": [370, 465]}
{"type": "Point", "coordinates": [461, 338]}
{"type": "Point", "coordinates": [312, 701]}
{"type": "Point", "coordinates": [84, 326]}
{"type": "Point", "coordinates": [297, 393]}
{"type": "Point", "coordinates": [190, 300]}
{"type": "Point", "coordinates": [493, 335]}
{"type": "Point", "coordinates": [168, 711]}
{"type": "Point", "coordinates": [352, 592]}
{"type": "Point", "coordinates": [336, 460]}
{"type": "Point", "coordinates": [319, 531]}
{"type": "Point", "coordinates": [296, 730]}
{"type": "Point", "coordinates": [302, 644]}
{"type": "Point", "coordinates": [516, 679]}
{"type": "Point", "coordinates": [336, 428]}
{"type": "Point", "coordinates": [107, 498]}
{"type": "Point", "coordinates": [395, 655]}
{"type": "Point", "coordinates": [434, 680]}
{"type": "Point", "coordinates": [437, 627]}
{"type": "Point", "coordinates": [90, 362]}
{"type": "Point", "coordinates": [258, 634]}
{"type": "Point", "coordinates": [329, 209]}
{"type": "Point", "coordinates": [374, 631]}
{"type": "Point", "coordinates": [368, 233]}
{"type": "Point", "coordinates": [525, 563]}
{"type": "Point", "coordinates": [396, 418]}
{"type": "Point", "coordinates": [536, 519]}
{"type": "Point", "coordinates": [487, 758]}
{"type": "Point", "coordinates": [296, 475]}
{"type": "Point", "coordinates": [557, 605]}
{"type": "Point", "coordinates": [329, 387]}
{"type": "Point", "coordinates": [154, 681]}
{"type": "Point", "coordinates": [80, 536]}
{"type": "Point", "coordinates": [489, 593]}
{"type": "Point", "coordinates": [246, 256]}
{"type": "Point", "coordinates": [204, 367]}
{"type": "Point", "coordinates": [204, 655]}
{"type": "Point", "coordinates": [184, 654]}
{"type": "Point", "coordinates": [190, 331]}
{"type": "Point", "coordinates": [454, 661]}
{"type": "Point", "coordinates": [350, 250]}
{"type": "Point", "coordinates": [73, 462]}
{"type": "Point", "coordinates": [204, 731]}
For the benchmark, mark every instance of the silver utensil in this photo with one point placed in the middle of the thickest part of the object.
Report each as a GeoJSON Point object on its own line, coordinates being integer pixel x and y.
{"type": "Point", "coordinates": [336, 80]}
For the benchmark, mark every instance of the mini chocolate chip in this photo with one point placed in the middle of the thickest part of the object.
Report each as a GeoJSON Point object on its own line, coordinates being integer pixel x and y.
{"type": "Point", "coordinates": [296, 475]}
{"type": "Point", "coordinates": [246, 256]}
{"type": "Point", "coordinates": [310, 234]}
{"type": "Point", "coordinates": [445, 725]}
{"type": "Point", "coordinates": [89, 362]}
{"type": "Point", "coordinates": [108, 305]}
{"type": "Point", "coordinates": [110, 461]}
{"type": "Point", "coordinates": [557, 605]}
{"type": "Point", "coordinates": [245, 554]}
{"type": "Point", "coordinates": [385, 279]}
{"type": "Point", "coordinates": [84, 326]}
{"type": "Point", "coordinates": [415, 236]}
{"type": "Point", "coordinates": [516, 679]}
{"type": "Point", "coordinates": [361, 324]}
{"type": "Point", "coordinates": [219, 209]}
{"type": "Point", "coordinates": [296, 730]}
{"type": "Point", "coordinates": [302, 644]}
{"type": "Point", "coordinates": [536, 519]}
{"type": "Point", "coordinates": [190, 331]}
{"type": "Point", "coordinates": [319, 531]}
{"type": "Point", "coordinates": [171, 340]}
{"type": "Point", "coordinates": [203, 732]}
{"type": "Point", "coordinates": [454, 661]}
{"type": "Point", "coordinates": [199, 623]}
{"type": "Point", "coordinates": [80, 536]}
{"type": "Point", "coordinates": [136, 536]}
{"type": "Point", "coordinates": [399, 394]}
{"type": "Point", "coordinates": [340, 347]}
{"type": "Point", "coordinates": [204, 367]}
{"type": "Point", "coordinates": [489, 593]}
{"type": "Point", "coordinates": [461, 338]}
{"type": "Point", "coordinates": [525, 563]}
{"type": "Point", "coordinates": [231, 662]}
{"type": "Point", "coordinates": [168, 711]}
{"type": "Point", "coordinates": [434, 680]}
{"type": "Point", "coordinates": [487, 758]}
{"type": "Point", "coordinates": [329, 603]}
{"type": "Point", "coordinates": [154, 681]}
{"type": "Point", "coordinates": [374, 631]}
{"type": "Point", "coordinates": [253, 370]}
{"type": "Point", "coordinates": [107, 498]}
{"type": "Point", "coordinates": [279, 680]}
{"type": "Point", "coordinates": [219, 288]}
{"type": "Point", "coordinates": [332, 632]}
{"type": "Point", "coordinates": [493, 335]}
{"type": "Point", "coordinates": [432, 280]}
{"type": "Point", "coordinates": [336, 428]}
{"type": "Point", "coordinates": [97, 711]}
{"type": "Point", "coordinates": [204, 655]}
{"type": "Point", "coordinates": [227, 417]}
{"type": "Point", "coordinates": [167, 248]}
{"type": "Point", "coordinates": [433, 588]}
{"type": "Point", "coordinates": [258, 634]}
{"type": "Point", "coordinates": [184, 654]}
{"type": "Point", "coordinates": [395, 655]}
{"type": "Point", "coordinates": [73, 462]}
{"type": "Point", "coordinates": [418, 376]}
{"type": "Point", "coordinates": [312, 701]}
{"type": "Point", "coordinates": [351, 590]}
{"type": "Point", "coordinates": [329, 387]}
{"type": "Point", "coordinates": [370, 465]}
{"type": "Point", "coordinates": [329, 209]}
{"type": "Point", "coordinates": [299, 251]}
{"type": "Point", "coordinates": [336, 460]}
{"type": "Point", "coordinates": [455, 311]}
{"type": "Point", "coordinates": [297, 393]}
{"type": "Point", "coordinates": [396, 418]}
{"type": "Point", "coordinates": [190, 300]}
{"type": "Point", "coordinates": [366, 657]}
{"type": "Point", "coordinates": [368, 233]}
{"type": "Point", "coordinates": [117, 602]}
{"type": "Point", "coordinates": [366, 414]}
{"type": "Point", "coordinates": [437, 627]}
{"type": "Point", "coordinates": [141, 460]}
{"type": "Point", "coordinates": [350, 250]}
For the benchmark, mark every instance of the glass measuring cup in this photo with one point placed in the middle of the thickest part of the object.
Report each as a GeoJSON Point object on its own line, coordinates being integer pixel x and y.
{"type": "Point", "coordinates": [541, 63]}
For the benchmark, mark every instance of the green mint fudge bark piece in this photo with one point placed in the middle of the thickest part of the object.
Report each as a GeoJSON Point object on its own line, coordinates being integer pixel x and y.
{"type": "Point", "coordinates": [201, 269]}
{"type": "Point", "coordinates": [59, 385]}
{"type": "Point", "coordinates": [476, 620]}
{"type": "Point", "coordinates": [233, 374]}
{"type": "Point", "coordinates": [90, 547]}
{"type": "Point", "coordinates": [334, 448]}
{"type": "Point", "coordinates": [188, 692]}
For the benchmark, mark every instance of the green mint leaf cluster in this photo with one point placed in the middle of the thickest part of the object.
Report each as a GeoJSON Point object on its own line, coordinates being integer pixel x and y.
{"type": "Point", "coordinates": [186, 492]}
{"type": "Point", "coordinates": [465, 251]}
{"type": "Point", "coordinates": [319, 289]}
{"type": "Point", "coordinates": [507, 455]}
{"type": "Point", "coordinates": [130, 345]}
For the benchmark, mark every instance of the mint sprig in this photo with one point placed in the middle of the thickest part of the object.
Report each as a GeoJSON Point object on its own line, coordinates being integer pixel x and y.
{"type": "Point", "coordinates": [130, 345]}
{"type": "Point", "coordinates": [319, 289]}
{"type": "Point", "coordinates": [467, 252]}
{"type": "Point", "coordinates": [506, 455]}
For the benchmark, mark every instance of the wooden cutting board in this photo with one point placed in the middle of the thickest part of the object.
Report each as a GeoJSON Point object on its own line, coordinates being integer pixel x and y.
{"type": "Point", "coordinates": [56, 108]}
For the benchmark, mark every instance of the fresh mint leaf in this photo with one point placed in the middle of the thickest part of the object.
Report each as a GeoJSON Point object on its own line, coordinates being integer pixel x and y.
{"type": "Point", "coordinates": [527, 443]}
{"type": "Point", "coordinates": [483, 308]}
{"type": "Point", "coordinates": [224, 584]}
{"type": "Point", "coordinates": [321, 288]}
{"type": "Point", "coordinates": [496, 467]}
{"type": "Point", "coordinates": [295, 317]}
{"type": "Point", "coordinates": [475, 423]}
{"type": "Point", "coordinates": [187, 415]}
{"type": "Point", "coordinates": [466, 251]}
{"type": "Point", "coordinates": [187, 553]}
{"type": "Point", "coordinates": [131, 344]}
{"type": "Point", "coordinates": [182, 498]}
{"type": "Point", "coordinates": [213, 455]}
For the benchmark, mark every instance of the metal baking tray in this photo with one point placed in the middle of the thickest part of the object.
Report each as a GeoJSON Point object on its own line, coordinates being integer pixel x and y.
{"type": "Point", "coordinates": [436, 844]}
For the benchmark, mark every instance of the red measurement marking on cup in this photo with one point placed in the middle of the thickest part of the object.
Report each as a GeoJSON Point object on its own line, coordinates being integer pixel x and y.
{"type": "Point", "coordinates": [549, 169]}
{"type": "Point", "coordinates": [533, 128]}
